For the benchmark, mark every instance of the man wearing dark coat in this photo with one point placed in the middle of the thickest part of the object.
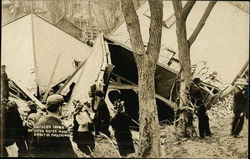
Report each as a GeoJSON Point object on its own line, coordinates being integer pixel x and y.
{"type": "Point", "coordinates": [196, 99]}
{"type": "Point", "coordinates": [102, 116]}
{"type": "Point", "coordinates": [120, 124]}
{"type": "Point", "coordinates": [32, 117]}
{"type": "Point", "coordinates": [13, 130]}
{"type": "Point", "coordinates": [50, 136]}
{"type": "Point", "coordinates": [4, 83]}
{"type": "Point", "coordinates": [240, 106]}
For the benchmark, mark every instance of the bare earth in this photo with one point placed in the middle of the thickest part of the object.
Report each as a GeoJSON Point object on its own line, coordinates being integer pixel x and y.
{"type": "Point", "coordinates": [220, 145]}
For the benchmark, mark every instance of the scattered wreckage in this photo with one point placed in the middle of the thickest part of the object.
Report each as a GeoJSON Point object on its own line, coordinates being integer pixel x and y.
{"type": "Point", "coordinates": [111, 66]}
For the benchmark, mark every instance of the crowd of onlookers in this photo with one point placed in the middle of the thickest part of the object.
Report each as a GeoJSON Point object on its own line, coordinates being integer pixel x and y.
{"type": "Point", "coordinates": [42, 132]}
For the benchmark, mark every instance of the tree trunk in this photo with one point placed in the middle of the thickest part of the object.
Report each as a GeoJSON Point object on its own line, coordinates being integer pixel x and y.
{"type": "Point", "coordinates": [149, 145]}
{"type": "Point", "coordinates": [185, 124]}
{"type": "Point", "coordinates": [146, 65]}
{"type": "Point", "coordinates": [186, 114]}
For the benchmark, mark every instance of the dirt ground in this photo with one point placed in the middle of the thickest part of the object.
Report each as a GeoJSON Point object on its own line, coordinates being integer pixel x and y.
{"type": "Point", "coordinates": [220, 145]}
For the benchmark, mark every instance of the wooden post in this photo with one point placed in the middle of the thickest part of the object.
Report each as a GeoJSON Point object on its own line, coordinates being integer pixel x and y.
{"type": "Point", "coordinates": [51, 77]}
{"type": "Point", "coordinates": [29, 94]}
{"type": "Point", "coordinates": [34, 45]}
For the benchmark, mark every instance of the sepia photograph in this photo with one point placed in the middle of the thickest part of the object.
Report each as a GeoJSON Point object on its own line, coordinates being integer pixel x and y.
{"type": "Point", "coordinates": [124, 79]}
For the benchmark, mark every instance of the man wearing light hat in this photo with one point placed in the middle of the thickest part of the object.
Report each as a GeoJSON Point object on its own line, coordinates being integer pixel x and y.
{"type": "Point", "coordinates": [51, 137]}
{"type": "Point", "coordinates": [240, 105]}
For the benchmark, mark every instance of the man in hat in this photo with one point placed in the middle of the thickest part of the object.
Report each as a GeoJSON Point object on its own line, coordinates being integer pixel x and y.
{"type": "Point", "coordinates": [102, 116]}
{"type": "Point", "coordinates": [197, 100]}
{"type": "Point", "coordinates": [82, 133]}
{"type": "Point", "coordinates": [50, 137]}
{"type": "Point", "coordinates": [4, 83]}
{"type": "Point", "coordinates": [120, 124]}
{"type": "Point", "coordinates": [240, 106]}
{"type": "Point", "coordinates": [32, 118]}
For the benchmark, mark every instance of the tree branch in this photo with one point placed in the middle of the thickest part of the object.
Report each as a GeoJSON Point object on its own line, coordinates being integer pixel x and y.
{"type": "Point", "coordinates": [133, 26]}
{"type": "Point", "coordinates": [104, 18]}
{"type": "Point", "coordinates": [177, 5]}
{"type": "Point", "coordinates": [201, 22]}
{"type": "Point", "coordinates": [187, 8]}
{"type": "Point", "coordinates": [155, 31]}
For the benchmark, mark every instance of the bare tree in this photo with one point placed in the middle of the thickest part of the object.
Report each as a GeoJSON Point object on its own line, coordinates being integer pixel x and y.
{"type": "Point", "coordinates": [107, 14]}
{"type": "Point", "coordinates": [23, 7]}
{"type": "Point", "coordinates": [184, 44]}
{"type": "Point", "coordinates": [55, 8]}
{"type": "Point", "coordinates": [149, 144]}
{"type": "Point", "coordinates": [60, 8]}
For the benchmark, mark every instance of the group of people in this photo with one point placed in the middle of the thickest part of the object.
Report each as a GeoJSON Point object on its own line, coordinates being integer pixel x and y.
{"type": "Point", "coordinates": [240, 91]}
{"type": "Point", "coordinates": [42, 133]}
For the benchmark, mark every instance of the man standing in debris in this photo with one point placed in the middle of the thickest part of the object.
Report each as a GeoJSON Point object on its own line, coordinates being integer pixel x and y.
{"type": "Point", "coordinates": [120, 124]}
{"type": "Point", "coordinates": [102, 116]}
{"type": "Point", "coordinates": [50, 136]}
{"type": "Point", "coordinates": [240, 106]}
{"type": "Point", "coordinates": [32, 117]}
{"type": "Point", "coordinates": [4, 83]}
{"type": "Point", "coordinates": [196, 99]}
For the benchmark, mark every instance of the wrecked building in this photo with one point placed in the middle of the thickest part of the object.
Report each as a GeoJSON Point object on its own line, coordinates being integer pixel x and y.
{"type": "Point", "coordinates": [111, 64]}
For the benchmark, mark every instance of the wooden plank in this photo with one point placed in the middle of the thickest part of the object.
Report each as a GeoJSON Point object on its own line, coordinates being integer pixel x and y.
{"type": "Point", "coordinates": [209, 85]}
{"type": "Point", "coordinates": [14, 87]}
{"type": "Point", "coordinates": [51, 77]}
{"type": "Point", "coordinates": [135, 88]}
{"type": "Point", "coordinates": [34, 46]}
{"type": "Point", "coordinates": [123, 86]}
{"type": "Point", "coordinates": [108, 53]}
{"type": "Point", "coordinates": [241, 72]}
{"type": "Point", "coordinates": [31, 96]}
{"type": "Point", "coordinates": [124, 79]}
{"type": "Point", "coordinates": [168, 102]}
{"type": "Point", "coordinates": [104, 61]}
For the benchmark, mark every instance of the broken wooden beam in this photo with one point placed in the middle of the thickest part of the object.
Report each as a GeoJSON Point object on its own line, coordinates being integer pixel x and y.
{"type": "Point", "coordinates": [31, 96]}
{"type": "Point", "coordinates": [135, 88]}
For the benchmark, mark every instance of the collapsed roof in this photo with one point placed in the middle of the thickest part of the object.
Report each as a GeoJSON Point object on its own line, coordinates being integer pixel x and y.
{"type": "Point", "coordinates": [31, 48]}
{"type": "Point", "coordinates": [223, 41]}
{"type": "Point", "coordinates": [91, 71]}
